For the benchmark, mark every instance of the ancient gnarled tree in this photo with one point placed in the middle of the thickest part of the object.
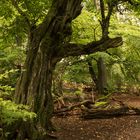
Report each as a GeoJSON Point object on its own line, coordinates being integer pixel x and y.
{"type": "Point", "coordinates": [47, 45]}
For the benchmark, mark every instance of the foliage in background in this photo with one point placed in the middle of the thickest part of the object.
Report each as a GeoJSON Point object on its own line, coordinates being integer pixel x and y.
{"type": "Point", "coordinates": [86, 27]}
{"type": "Point", "coordinates": [122, 63]}
{"type": "Point", "coordinates": [9, 111]}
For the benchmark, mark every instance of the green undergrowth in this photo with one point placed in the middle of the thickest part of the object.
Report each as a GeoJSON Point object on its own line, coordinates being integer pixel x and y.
{"type": "Point", "coordinates": [11, 112]}
{"type": "Point", "coordinates": [99, 104]}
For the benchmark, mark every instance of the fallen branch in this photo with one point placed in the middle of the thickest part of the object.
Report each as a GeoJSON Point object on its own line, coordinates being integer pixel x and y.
{"type": "Point", "coordinates": [109, 113]}
{"type": "Point", "coordinates": [86, 103]}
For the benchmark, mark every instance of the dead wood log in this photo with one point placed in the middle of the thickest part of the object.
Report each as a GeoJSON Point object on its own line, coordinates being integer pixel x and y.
{"type": "Point", "coordinates": [86, 103]}
{"type": "Point", "coordinates": [109, 113]}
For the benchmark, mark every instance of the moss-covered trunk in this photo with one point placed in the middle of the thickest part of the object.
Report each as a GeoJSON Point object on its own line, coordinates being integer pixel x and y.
{"type": "Point", "coordinates": [45, 49]}
{"type": "Point", "coordinates": [34, 86]}
{"type": "Point", "coordinates": [49, 42]}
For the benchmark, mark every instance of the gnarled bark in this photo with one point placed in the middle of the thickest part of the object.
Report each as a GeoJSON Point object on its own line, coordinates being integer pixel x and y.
{"type": "Point", "coordinates": [34, 85]}
{"type": "Point", "coordinates": [48, 44]}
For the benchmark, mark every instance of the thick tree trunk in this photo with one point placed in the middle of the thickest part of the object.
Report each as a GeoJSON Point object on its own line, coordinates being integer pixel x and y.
{"type": "Point", "coordinates": [34, 86]}
{"type": "Point", "coordinates": [48, 44]}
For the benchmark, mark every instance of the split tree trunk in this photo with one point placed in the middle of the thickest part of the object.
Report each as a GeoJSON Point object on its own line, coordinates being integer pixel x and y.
{"type": "Point", "coordinates": [34, 85]}
{"type": "Point", "coordinates": [48, 44]}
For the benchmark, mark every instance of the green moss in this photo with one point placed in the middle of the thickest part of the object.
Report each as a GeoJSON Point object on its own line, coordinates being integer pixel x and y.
{"type": "Point", "coordinates": [98, 104]}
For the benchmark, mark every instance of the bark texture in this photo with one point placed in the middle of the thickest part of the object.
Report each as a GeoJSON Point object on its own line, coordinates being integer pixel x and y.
{"type": "Point", "coordinates": [102, 76]}
{"type": "Point", "coordinates": [34, 85]}
{"type": "Point", "coordinates": [48, 44]}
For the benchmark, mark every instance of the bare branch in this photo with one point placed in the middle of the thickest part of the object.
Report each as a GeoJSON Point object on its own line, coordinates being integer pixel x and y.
{"type": "Point", "coordinates": [110, 10]}
{"type": "Point", "coordinates": [102, 7]}
{"type": "Point", "coordinates": [106, 18]}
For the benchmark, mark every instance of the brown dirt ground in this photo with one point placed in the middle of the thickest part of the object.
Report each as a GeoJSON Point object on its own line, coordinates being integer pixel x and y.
{"type": "Point", "coordinates": [73, 127]}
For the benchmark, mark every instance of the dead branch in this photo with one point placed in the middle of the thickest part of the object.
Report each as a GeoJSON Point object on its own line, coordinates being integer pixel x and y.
{"type": "Point", "coordinates": [103, 114]}
{"type": "Point", "coordinates": [85, 103]}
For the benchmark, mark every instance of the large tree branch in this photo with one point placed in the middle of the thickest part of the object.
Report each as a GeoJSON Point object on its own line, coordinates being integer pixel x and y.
{"type": "Point", "coordinates": [73, 49]}
{"type": "Point", "coordinates": [15, 4]}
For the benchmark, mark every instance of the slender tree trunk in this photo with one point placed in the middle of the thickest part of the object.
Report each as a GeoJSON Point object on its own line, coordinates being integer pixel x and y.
{"type": "Point", "coordinates": [96, 4]}
{"type": "Point", "coordinates": [92, 73]}
{"type": "Point", "coordinates": [102, 77]}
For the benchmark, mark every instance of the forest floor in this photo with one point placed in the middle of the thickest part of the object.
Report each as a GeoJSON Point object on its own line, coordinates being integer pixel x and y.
{"type": "Point", "coordinates": [72, 127]}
